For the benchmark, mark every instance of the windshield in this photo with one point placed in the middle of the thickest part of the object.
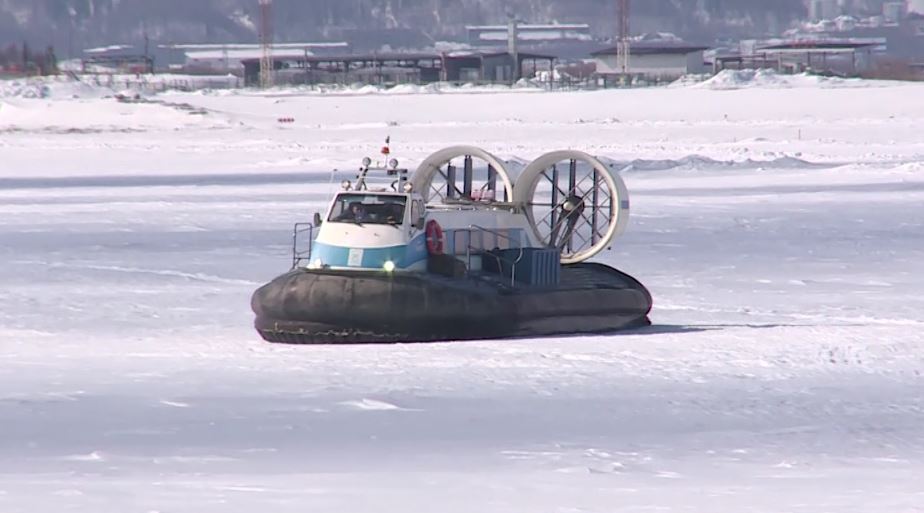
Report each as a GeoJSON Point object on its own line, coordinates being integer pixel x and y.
{"type": "Point", "coordinates": [368, 208]}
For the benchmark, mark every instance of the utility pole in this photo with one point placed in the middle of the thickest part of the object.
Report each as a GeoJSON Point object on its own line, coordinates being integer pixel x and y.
{"type": "Point", "coordinates": [623, 44]}
{"type": "Point", "coordinates": [266, 43]}
{"type": "Point", "coordinates": [512, 44]}
{"type": "Point", "coordinates": [148, 60]}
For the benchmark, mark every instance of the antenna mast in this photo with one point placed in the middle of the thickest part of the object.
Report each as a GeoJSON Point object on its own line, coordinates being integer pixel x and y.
{"type": "Point", "coordinates": [266, 43]}
{"type": "Point", "coordinates": [623, 45]}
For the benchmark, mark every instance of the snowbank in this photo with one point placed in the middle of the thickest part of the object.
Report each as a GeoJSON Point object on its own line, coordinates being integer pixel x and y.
{"type": "Point", "coordinates": [767, 78]}
{"type": "Point", "coordinates": [65, 87]}
{"type": "Point", "coordinates": [108, 85]}
{"type": "Point", "coordinates": [699, 163]}
{"type": "Point", "coordinates": [58, 88]}
{"type": "Point", "coordinates": [369, 90]}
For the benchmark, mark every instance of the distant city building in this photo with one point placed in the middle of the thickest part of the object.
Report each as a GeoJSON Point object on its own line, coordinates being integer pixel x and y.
{"type": "Point", "coordinates": [895, 26]}
{"type": "Point", "coordinates": [824, 10]}
{"type": "Point", "coordinates": [915, 25]}
{"type": "Point", "coordinates": [894, 12]}
{"type": "Point", "coordinates": [845, 23]}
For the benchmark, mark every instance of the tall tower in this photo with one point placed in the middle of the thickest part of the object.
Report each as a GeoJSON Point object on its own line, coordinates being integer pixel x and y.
{"type": "Point", "coordinates": [266, 43]}
{"type": "Point", "coordinates": [623, 46]}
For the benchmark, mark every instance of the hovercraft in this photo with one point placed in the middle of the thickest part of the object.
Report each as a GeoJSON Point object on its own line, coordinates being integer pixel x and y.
{"type": "Point", "coordinates": [458, 253]}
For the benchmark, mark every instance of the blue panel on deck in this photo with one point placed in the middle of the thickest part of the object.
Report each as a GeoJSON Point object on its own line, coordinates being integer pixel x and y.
{"type": "Point", "coordinates": [538, 267]}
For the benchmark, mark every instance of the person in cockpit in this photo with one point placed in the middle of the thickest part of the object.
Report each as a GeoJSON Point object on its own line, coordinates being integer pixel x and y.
{"type": "Point", "coordinates": [393, 213]}
{"type": "Point", "coordinates": [355, 212]}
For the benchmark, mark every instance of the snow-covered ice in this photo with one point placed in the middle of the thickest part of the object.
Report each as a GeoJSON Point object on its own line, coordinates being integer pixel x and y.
{"type": "Point", "coordinates": [780, 230]}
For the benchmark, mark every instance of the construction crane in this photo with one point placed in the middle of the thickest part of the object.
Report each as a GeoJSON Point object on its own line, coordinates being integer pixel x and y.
{"type": "Point", "coordinates": [266, 43]}
{"type": "Point", "coordinates": [623, 45]}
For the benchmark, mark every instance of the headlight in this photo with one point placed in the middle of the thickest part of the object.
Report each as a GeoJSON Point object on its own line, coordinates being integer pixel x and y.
{"type": "Point", "coordinates": [389, 266]}
{"type": "Point", "coordinates": [367, 162]}
{"type": "Point", "coordinates": [346, 184]}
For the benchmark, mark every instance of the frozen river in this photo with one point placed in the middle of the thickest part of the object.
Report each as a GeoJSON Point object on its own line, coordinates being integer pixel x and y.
{"type": "Point", "coordinates": [782, 372]}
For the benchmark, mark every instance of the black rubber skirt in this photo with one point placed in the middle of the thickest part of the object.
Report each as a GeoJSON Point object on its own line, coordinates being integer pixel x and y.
{"type": "Point", "coordinates": [340, 307]}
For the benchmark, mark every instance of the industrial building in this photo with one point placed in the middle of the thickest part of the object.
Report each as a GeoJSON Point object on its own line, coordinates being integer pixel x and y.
{"type": "Point", "coordinates": [837, 57]}
{"type": "Point", "coordinates": [116, 59]}
{"type": "Point", "coordinates": [229, 57]}
{"type": "Point", "coordinates": [492, 35]}
{"type": "Point", "coordinates": [651, 61]}
{"type": "Point", "coordinates": [390, 68]}
{"type": "Point", "coordinates": [568, 41]}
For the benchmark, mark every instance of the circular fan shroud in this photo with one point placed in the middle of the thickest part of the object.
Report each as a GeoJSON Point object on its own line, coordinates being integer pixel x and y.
{"type": "Point", "coordinates": [432, 168]}
{"type": "Point", "coordinates": [586, 208]}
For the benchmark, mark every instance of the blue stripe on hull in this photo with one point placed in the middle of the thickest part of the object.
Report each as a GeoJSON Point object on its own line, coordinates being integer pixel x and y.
{"type": "Point", "coordinates": [404, 256]}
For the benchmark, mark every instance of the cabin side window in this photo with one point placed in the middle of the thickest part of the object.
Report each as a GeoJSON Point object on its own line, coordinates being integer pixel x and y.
{"type": "Point", "coordinates": [416, 211]}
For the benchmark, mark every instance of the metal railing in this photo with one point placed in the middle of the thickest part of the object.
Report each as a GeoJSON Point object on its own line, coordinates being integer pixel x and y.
{"type": "Point", "coordinates": [300, 255]}
{"type": "Point", "coordinates": [513, 263]}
